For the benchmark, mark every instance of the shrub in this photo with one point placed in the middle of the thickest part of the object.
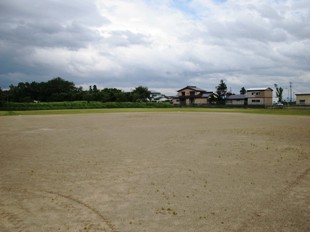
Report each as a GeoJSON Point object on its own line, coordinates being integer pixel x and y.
{"type": "Point", "coordinates": [80, 105]}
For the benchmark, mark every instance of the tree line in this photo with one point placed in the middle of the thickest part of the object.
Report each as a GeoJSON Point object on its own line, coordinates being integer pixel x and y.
{"type": "Point", "coordinates": [58, 90]}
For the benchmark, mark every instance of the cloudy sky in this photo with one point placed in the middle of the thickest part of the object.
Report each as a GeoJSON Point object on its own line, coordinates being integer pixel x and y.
{"type": "Point", "coordinates": [162, 44]}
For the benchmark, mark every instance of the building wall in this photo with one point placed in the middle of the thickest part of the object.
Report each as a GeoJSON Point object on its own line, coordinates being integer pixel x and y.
{"type": "Point", "coordinates": [235, 102]}
{"type": "Point", "coordinates": [303, 99]}
{"type": "Point", "coordinates": [200, 101]}
{"type": "Point", "coordinates": [187, 92]}
{"type": "Point", "coordinates": [259, 97]}
{"type": "Point", "coordinates": [260, 93]}
{"type": "Point", "coordinates": [175, 101]}
{"type": "Point", "coordinates": [256, 101]}
{"type": "Point", "coordinates": [268, 100]}
{"type": "Point", "coordinates": [190, 97]}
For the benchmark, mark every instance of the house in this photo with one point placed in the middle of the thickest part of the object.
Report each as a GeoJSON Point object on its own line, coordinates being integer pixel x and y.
{"type": "Point", "coordinates": [158, 97]}
{"type": "Point", "coordinates": [191, 95]}
{"type": "Point", "coordinates": [303, 99]}
{"type": "Point", "coordinates": [259, 96]}
{"type": "Point", "coordinates": [236, 100]}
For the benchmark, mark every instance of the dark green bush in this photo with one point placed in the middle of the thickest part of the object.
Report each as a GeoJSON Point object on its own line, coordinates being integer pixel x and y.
{"type": "Point", "coordinates": [80, 105]}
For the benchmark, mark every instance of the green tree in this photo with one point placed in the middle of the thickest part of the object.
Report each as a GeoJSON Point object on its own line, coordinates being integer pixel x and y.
{"type": "Point", "coordinates": [59, 89]}
{"type": "Point", "coordinates": [242, 91]}
{"type": "Point", "coordinates": [1, 96]}
{"type": "Point", "coordinates": [96, 93]}
{"type": "Point", "coordinates": [140, 94]}
{"type": "Point", "coordinates": [112, 95]}
{"type": "Point", "coordinates": [279, 92]}
{"type": "Point", "coordinates": [21, 92]}
{"type": "Point", "coordinates": [56, 89]}
{"type": "Point", "coordinates": [95, 88]}
{"type": "Point", "coordinates": [213, 99]}
{"type": "Point", "coordinates": [87, 96]}
{"type": "Point", "coordinates": [221, 89]}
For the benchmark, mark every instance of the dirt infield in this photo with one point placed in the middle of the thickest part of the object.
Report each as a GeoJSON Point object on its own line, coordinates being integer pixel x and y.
{"type": "Point", "coordinates": [155, 172]}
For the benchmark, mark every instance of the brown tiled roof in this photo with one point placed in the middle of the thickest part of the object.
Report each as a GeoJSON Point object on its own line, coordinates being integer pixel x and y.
{"type": "Point", "coordinates": [193, 88]}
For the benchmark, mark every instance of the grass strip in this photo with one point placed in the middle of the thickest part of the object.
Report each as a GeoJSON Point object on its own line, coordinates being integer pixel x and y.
{"type": "Point", "coordinates": [293, 111]}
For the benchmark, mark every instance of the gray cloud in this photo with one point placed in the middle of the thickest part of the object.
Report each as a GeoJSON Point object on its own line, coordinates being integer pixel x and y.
{"type": "Point", "coordinates": [49, 23]}
{"type": "Point", "coordinates": [124, 38]}
{"type": "Point", "coordinates": [72, 36]}
{"type": "Point", "coordinates": [156, 43]}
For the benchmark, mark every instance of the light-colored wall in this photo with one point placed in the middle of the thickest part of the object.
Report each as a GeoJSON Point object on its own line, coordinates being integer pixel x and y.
{"type": "Point", "coordinates": [264, 97]}
{"type": "Point", "coordinates": [200, 101]}
{"type": "Point", "coordinates": [190, 101]}
{"type": "Point", "coordinates": [175, 101]}
{"type": "Point", "coordinates": [256, 101]}
{"type": "Point", "coordinates": [268, 100]}
{"type": "Point", "coordinates": [305, 97]}
{"type": "Point", "coordinates": [260, 93]}
{"type": "Point", "coordinates": [187, 92]}
{"type": "Point", "coordinates": [235, 102]}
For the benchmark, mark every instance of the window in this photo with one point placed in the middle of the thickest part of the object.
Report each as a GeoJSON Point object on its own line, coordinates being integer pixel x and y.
{"type": "Point", "coordinates": [256, 100]}
{"type": "Point", "coordinates": [302, 101]}
{"type": "Point", "coordinates": [192, 93]}
{"type": "Point", "coordinates": [258, 93]}
{"type": "Point", "coordinates": [183, 93]}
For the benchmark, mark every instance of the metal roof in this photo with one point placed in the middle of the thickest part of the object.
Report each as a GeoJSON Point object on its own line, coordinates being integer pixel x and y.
{"type": "Point", "coordinates": [259, 89]}
{"type": "Point", "coordinates": [236, 97]}
{"type": "Point", "coordinates": [207, 94]}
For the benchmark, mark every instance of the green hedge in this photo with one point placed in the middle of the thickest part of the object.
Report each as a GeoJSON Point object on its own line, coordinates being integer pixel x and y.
{"type": "Point", "coordinates": [80, 105]}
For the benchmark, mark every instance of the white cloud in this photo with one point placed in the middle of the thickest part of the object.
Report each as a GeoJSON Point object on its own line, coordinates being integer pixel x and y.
{"type": "Point", "coordinates": [159, 44]}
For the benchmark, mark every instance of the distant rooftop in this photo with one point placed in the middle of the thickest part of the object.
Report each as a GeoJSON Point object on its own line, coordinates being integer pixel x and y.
{"type": "Point", "coordinates": [259, 89]}
{"type": "Point", "coordinates": [193, 88]}
{"type": "Point", "coordinates": [236, 97]}
{"type": "Point", "coordinates": [207, 94]}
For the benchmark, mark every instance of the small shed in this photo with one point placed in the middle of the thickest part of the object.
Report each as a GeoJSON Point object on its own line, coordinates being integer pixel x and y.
{"type": "Point", "coordinates": [237, 100]}
{"type": "Point", "coordinates": [303, 99]}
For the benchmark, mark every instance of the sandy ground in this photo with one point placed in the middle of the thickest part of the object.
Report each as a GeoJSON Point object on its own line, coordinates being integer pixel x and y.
{"type": "Point", "coordinates": [155, 172]}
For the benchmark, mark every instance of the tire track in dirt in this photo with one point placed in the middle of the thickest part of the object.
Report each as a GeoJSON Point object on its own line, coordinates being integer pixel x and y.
{"type": "Point", "coordinates": [297, 181]}
{"type": "Point", "coordinates": [95, 211]}
{"type": "Point", "coordinates": [20, 225]}
{"type": "Point", "coordinates": [13, 219]}
{"type": "Point", "coordinates": [255, 216]}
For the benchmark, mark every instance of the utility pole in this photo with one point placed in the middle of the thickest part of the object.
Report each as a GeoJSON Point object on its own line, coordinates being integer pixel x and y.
{"type": "Point", "coordinates": [291, 91]}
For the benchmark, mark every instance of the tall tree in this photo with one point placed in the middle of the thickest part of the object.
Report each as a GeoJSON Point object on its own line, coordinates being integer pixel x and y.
{"type": "Point", "coordinates": [279, 92]}
{"type": "Point", "coordinates": [95, 88]}
{"type": "Point", "coordinates": [221, 89]}
{"type": "Point", "coordinates": [242, 91]}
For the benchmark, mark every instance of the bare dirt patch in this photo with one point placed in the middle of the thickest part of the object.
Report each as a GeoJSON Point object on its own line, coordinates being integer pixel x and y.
{"type": "Point", "coordinates": [155, 172]}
